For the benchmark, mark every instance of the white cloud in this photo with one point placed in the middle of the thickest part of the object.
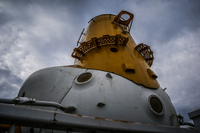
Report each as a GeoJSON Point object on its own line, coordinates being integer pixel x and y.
{"type": "Point", "coordinates": [177, 67]}
{"type": "Point", "coordinates": [29, 46]}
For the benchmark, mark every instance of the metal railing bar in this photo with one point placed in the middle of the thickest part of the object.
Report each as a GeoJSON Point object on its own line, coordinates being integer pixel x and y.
{"type": "Point", "coordinates": [34, 102]}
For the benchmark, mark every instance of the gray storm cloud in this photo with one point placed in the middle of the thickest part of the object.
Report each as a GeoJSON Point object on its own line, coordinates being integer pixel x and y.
{"type": "Point", "coordinates": [37, 34]}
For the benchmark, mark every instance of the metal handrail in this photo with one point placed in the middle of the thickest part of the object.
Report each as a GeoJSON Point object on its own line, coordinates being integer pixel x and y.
{"type": "Point", "coordinates": [44, 119]}
{"type": "Point", "coordinates": [34, 102]}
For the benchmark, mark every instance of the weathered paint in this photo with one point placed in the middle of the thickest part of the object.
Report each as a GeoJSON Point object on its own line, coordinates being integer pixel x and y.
{"type": "Point", "coordinates": [52, 121]}
{"type": "Point", "coordinates": [124, 100]}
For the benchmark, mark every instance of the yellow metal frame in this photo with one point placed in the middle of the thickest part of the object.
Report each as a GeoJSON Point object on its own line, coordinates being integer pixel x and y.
{"type": "Point", "coordinates": [98, 42]}
{"type": "Point", "coordinates": [127, 23]}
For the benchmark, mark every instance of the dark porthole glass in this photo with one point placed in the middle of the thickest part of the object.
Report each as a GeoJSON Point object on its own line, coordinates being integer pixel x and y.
{"type": "Point", "coordinates": [156, 105]}
{"type": "Point", "coordinates": [84, 78]}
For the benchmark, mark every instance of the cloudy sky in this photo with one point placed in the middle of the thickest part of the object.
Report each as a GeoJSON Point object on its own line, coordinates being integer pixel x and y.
{"type": "Point", "coordinates": [36, 34]}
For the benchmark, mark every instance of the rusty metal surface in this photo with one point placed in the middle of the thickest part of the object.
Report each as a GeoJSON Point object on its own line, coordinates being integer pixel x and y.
{"type": "Point", "coordinates": [126, 22]}
{"type": "Point", "coordinates": [146, 52]}
{"type": "Point", "coordinates": [45, 119]}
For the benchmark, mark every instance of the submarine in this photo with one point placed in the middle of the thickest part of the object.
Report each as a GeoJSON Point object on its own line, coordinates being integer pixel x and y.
{"type": "Point", "coordinates": [109, 88]}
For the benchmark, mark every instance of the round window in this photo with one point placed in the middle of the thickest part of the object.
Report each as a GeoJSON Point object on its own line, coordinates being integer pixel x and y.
{"type": "Point", "coordinates": [84, 78]}
{"type": "Point", "coordinates": [156, 105]}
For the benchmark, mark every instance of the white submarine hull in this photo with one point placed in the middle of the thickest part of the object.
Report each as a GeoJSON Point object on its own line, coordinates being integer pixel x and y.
{"type": "Point", "coordinates": [103, 94]}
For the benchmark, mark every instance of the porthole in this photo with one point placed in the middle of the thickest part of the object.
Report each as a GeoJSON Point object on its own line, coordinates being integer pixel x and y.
{"type": "Point", "coordinates": [156, 105]}
{"type": "Point", "coordinates": [84, 78]}
{"type": "Point", "coordinates": [114, 49]}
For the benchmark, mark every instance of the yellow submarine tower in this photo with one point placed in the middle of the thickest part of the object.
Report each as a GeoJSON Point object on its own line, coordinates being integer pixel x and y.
{"type": "Point", "coordinates": [107, 45]}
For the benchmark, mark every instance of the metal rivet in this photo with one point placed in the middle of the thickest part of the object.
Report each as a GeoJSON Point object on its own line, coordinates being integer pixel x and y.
{"type": "Point", "coordinates": [23, 94]}
{"type": "Point", "coordinates": [152, 74]}
{"type": "Point", "coordinates": [70, 109]}
{"type": "Point", "coordinates": [164, 89]}
{"type": "Point", "coordinates": [108, 75]}
{"type": "Point", "coordinates": [101, 104]}
{"type": "Point", "coordinates": [128, 67]}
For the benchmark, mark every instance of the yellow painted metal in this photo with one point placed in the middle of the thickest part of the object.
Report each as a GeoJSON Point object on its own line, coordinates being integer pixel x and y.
{"type": "Point", "coordinates": [151, 73]}
{"type": "Point", "coordinates": [5, 128]}
{"type": "Point", "coordinates": [128, 67]}
{"type": "Point", "coordinates": [107, 45]}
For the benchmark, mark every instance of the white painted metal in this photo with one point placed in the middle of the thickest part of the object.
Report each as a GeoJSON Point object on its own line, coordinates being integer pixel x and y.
{"type": "Point", "coordinates": [50, 84]}
{"type": "Point", "coordinates": [122, 98]}
{"type": "Point", "coordinates": [45, 119]}
{"type": "Point", "coordinates": [76, 123]}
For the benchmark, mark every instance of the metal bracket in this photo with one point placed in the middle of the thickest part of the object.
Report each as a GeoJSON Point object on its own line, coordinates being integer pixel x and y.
{"type": "Point", "coordinates": [80, 36]}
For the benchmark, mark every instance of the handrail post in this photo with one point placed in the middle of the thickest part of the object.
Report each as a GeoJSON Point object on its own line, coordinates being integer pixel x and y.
{"type": "Point", "coordinates": [42, 130]}
{"type": "Point", "coordinates": [12, 128]}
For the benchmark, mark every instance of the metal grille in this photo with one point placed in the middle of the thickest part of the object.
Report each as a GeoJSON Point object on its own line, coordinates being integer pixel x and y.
{"type": "Point", "coordinates": [84, 47]}
{"type": "Point", "coordinates": [146, 52]}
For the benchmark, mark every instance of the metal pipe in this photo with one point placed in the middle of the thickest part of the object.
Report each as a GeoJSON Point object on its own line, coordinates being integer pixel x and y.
{"type": "Point", "coordinates": [80, 36]}
{"type": "Point", "coordinates": [49, 104]}
{"type": "Point", "coordinates": [71, 122]}
{"type": "Point", "coordinates": [34, 102]}
{"type": "Point", "coordinates": [8, 101]}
